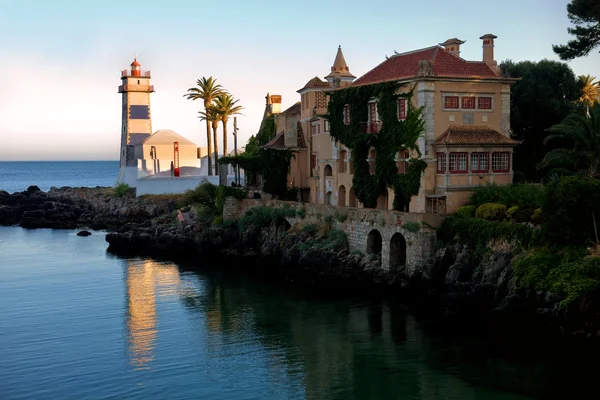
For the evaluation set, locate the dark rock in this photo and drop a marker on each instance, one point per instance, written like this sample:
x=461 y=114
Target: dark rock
x=84 y=233
x=32 y=189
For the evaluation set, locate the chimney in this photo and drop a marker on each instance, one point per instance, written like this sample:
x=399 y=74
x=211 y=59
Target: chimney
x=276 y=101
x=452 y=46
x=488 y=51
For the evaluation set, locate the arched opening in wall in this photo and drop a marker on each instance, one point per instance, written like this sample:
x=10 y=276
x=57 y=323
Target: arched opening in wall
x=374 y=242
x=382 y=202
x=328 y=171
x=342 y=196
x=352 y=198
x=342 y=161
x=328 y=198
x=397 y=251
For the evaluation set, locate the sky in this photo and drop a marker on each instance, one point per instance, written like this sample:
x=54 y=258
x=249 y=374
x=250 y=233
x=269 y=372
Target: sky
x=60 y=60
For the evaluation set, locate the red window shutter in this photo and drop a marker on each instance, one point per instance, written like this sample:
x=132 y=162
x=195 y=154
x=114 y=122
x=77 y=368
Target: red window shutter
x=401 y=109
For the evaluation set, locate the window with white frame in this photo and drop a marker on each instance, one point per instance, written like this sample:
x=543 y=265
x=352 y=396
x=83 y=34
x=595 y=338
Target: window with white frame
x=451 y=102
x=480 y=162
x=441 y=162
x=457 y=163
x=373 y=111
x=326 y=126
x=484 y=103
x=501 y=162
x=468 y=103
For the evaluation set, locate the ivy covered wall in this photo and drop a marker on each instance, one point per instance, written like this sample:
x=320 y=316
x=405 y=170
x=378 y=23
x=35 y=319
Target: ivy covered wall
x=393 y=136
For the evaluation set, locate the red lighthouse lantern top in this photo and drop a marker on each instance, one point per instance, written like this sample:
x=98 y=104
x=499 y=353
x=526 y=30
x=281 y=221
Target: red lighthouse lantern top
x=135 y=68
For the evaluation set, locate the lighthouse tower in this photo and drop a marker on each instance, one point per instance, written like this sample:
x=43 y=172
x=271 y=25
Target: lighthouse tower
x=136 y=125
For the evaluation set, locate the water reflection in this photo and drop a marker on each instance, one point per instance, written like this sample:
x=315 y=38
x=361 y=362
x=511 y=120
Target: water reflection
x=145 y=280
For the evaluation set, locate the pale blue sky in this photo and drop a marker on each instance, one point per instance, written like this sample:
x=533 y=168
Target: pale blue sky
x=60 y=59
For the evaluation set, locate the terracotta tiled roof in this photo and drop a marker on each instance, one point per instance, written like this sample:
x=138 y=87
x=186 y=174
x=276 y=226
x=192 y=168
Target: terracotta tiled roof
x=473 y=135
x=278 y=142
x=295 y=109
x=315 y=83
x=406 y=65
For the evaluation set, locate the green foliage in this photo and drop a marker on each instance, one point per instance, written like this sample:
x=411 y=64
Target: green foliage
x=545 y=94
x=522 y=195
x=491 y=211
x=227 y=191
x=477 y=233
x=577 y=140
x=310 y=228
x=394 y=135
x=206 y=213
x=584 y=14
x=122 y=189
x=466 y=211
x=301 y=212
x=510 y=213
x=412 y=226
x=572 y=203
x=328 y=219
x=340 y=214
x=203 y=194
x=537 y=216
x=568 y=272
x=261 y=217
x=218 y=220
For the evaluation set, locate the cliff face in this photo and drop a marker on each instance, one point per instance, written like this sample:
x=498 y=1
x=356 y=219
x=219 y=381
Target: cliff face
x=77 y=207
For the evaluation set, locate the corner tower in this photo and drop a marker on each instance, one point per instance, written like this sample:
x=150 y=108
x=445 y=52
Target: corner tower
x=136 y=121
x=340 y=73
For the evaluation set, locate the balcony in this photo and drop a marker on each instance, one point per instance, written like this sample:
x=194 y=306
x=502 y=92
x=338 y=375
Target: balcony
x=127 y=72
x=136 y=88
x=372 y=127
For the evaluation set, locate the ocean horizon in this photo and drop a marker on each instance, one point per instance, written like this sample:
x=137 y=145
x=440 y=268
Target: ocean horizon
x=17 y=176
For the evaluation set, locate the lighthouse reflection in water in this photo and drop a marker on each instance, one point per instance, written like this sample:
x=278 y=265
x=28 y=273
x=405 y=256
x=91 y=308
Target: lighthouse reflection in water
x=146 y=280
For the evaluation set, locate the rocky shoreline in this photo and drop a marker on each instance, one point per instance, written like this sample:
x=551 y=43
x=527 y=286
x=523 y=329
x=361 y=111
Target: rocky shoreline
x=71 y=208
x=456 y=284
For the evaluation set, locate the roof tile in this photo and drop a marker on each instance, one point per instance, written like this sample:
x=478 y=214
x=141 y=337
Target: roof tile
x=473 y=135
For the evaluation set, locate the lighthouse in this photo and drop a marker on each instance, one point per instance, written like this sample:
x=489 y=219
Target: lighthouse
x=136 y=120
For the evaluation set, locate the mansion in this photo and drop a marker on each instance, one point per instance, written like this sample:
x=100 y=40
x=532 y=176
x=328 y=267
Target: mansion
x=465 y=143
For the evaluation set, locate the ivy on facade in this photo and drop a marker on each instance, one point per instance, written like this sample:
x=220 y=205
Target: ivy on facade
x=393 y=136
x=273 y=165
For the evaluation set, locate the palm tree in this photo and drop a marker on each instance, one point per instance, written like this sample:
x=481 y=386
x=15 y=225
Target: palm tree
x=207 y=90
x=579 y=138
x=226 y=106
x=212 y=118
x=590 y=92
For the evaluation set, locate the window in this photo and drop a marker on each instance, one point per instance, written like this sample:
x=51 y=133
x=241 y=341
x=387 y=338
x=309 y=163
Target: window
x=484 y=103
x=441 y=162
x=451 y=102
x=436 y=205
x=401 y=109
x=468 y=103
x=480 y=162
x=373 y=111
x=501 y=162
x=326 y=126
x=314 y=130
x=313 y=160
x=372 y=157
x=318 y=129
x=347 y=114
x=402 y=159
x=458 y=162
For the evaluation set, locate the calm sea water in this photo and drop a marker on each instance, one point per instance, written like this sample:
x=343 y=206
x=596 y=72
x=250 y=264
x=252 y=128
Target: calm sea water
x=78 y=323
x=16 y=176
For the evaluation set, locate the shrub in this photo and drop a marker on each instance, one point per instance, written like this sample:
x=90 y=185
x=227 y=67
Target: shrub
x=310 y=229
x=412 y=226
x=522 y=195
x=262 y=216
x=340 y=214
x=122 y=189
x=301 y=212
x=478 y=233
x=511 y=212
x=536 y=217
x=205 y=213
x=218 y=220
x=204 y=194
x=335 y=240
x=491 y=211
x=466 y=211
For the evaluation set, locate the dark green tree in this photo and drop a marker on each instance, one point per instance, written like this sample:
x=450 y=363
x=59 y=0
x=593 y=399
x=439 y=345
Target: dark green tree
x=585 y=15
x=545 y=94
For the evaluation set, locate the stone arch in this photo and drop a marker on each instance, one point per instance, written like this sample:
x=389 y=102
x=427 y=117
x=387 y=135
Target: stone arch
x=397 y=251
x=374 y=242
x=352 y=198
x=342 y=196
x=327 y=171
x=328 y=198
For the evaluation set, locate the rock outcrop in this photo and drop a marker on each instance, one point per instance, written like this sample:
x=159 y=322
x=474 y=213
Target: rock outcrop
x=71 y=208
